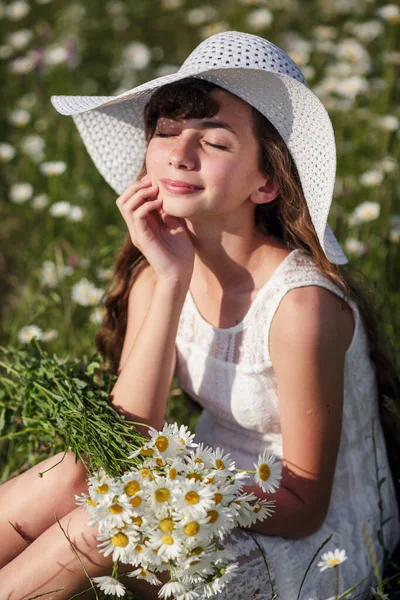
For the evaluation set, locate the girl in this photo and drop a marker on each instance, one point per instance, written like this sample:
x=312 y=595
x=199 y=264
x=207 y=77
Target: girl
x=229 y=277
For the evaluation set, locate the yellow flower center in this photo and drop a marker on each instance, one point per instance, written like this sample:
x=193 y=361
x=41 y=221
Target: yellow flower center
x=162 y=494
x=102 y=489
x=160 y=462
x=120 y=540
x=91 y=502
x=209 y=480
x=137 y=521
x=191 y=528
x=194 y=562
x=115 y=509
x=333 y=562
x=196 y=551
x=162 y=443
x=166 y=525
x=147 y=452
x=181 y=441
x=145 y=473
x=219 y=464
x=257 y=508
x=167 y=539
x=192 y=498
x=194 y=476
x=212 y=516
x=217 y=498
x=139 y=549
x=143 y=573
x=136 y=501
x=198 y=460
x=264 y=472
x=131 y=488
x=172 y=473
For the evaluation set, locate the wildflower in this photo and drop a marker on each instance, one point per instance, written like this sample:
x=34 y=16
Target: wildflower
x=378 y=595
x=365 y=212
x=60 y=209
x=198 y=16
x=53 y=168
x=19 y=117
x=56 y=55
x=86 y=293
x=332 y=559
x=40 y=201
x=20 y=192
x=26 y=334
x=145 y=574
x=20 y=66
x=172 y=589
x=193 y=498
x=7 y=152
x=104 y=274
x=388 y=164
x=390 y=13
x=227 y=573
x=137 y=56
x=17 y=10
x=20 y=39
x=350 y=87
x=109 y=585
x=355 y=247
x=33 y=145
x=371 y=178
x=49 y=335
x=388 y=123
x=75 y=214
x=267 y=472
x=98 y=315
x=259 y=19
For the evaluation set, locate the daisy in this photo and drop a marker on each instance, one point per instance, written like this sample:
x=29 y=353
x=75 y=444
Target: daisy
x=145 y=574
x=379 y=595
x=26 y=334
x=203 y=454
x=53 y=168
x=332 y=559
x=102 y=488
x=220 y=520
x=222 y=462
x=172 y=589
x=118 y=543
x=168 y=545
x=160 y=495
x=109 y=585
x=227 y=574
x=113 y=515
x=267 y=472
x=192 y=498
x=185 y=437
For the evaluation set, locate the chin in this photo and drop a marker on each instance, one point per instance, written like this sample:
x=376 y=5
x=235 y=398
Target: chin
x=179 y=208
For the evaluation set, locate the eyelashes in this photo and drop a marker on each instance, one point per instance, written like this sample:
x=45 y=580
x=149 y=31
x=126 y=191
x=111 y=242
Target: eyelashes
x=168 y=135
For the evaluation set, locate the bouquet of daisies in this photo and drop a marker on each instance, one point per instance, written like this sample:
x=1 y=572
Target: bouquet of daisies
x=171 y=513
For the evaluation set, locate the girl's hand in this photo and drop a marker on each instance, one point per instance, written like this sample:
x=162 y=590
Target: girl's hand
x=164 y=240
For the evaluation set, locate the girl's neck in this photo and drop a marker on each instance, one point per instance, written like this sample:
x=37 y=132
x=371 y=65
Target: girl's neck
x=231 y=260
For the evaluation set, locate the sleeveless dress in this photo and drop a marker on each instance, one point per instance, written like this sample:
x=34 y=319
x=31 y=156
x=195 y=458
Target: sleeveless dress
x=230 y=374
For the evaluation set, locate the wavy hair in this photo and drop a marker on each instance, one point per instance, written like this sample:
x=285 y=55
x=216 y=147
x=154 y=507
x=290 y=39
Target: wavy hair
x=286 y=218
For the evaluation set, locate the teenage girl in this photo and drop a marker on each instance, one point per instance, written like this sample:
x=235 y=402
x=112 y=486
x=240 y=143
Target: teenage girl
x=223 y=281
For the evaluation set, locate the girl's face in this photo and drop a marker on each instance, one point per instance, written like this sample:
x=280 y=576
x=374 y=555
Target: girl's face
x=207 y=167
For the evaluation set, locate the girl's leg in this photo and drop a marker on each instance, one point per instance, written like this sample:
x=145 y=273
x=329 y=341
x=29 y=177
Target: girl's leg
x=49 y=563
x=30 y=503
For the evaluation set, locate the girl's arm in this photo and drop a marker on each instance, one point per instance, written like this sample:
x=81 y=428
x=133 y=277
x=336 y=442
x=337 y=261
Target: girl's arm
x=308 y=340
x=155 y=304
x=148 y=357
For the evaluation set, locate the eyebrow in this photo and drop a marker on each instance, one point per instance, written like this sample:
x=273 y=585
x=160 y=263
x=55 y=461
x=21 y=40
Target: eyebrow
x=212 y=125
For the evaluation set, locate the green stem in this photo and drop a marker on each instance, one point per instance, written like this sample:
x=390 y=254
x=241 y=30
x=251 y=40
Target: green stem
x=336 y=577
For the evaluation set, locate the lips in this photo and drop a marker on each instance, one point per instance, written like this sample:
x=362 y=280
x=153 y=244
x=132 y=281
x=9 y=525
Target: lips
x=177 y=185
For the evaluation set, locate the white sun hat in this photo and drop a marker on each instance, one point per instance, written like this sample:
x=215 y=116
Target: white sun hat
x=253 y=69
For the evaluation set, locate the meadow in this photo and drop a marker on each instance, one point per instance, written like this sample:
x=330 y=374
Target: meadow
x=60 y=229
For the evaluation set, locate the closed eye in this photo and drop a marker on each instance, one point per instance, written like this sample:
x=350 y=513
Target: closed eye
x=167 y=135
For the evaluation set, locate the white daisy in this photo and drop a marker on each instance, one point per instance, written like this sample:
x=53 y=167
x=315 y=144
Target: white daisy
x=378 y=595
x=26 y=334
x=172 y=589
x=220 y=520
x=268 y=472
x=168 y=545
x=227 y=574
x=109 y=585
x=7 y=152
x=21 y=192
x=366 y=211
x=192 y=498
x=145 y=574
x=222 y=462
x=102 y=488
x=113 y=514
x=332 y=559
x=118 y=543
x=202 y=454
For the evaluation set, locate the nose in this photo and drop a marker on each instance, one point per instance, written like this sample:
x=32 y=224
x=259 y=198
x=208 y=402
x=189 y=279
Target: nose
x=183 y=154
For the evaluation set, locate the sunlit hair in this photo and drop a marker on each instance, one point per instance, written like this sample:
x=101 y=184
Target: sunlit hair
x=286 y=218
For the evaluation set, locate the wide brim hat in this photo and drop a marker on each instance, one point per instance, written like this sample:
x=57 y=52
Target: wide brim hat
x=255 y=70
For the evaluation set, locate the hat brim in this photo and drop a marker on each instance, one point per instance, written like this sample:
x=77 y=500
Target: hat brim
x=112 y=129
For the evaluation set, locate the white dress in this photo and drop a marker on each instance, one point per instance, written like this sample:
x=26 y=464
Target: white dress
x=230 y=374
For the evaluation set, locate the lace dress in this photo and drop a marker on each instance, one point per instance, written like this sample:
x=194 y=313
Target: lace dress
x=230 y=374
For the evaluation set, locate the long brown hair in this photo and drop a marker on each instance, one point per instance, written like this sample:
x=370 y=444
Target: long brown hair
x=286 y=218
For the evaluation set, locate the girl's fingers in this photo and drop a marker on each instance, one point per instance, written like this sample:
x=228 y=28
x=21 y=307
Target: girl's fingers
x=138 y=199
x=132 y=189
x=142 y=212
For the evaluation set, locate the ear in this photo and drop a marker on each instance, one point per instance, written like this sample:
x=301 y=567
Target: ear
x=266 y=193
